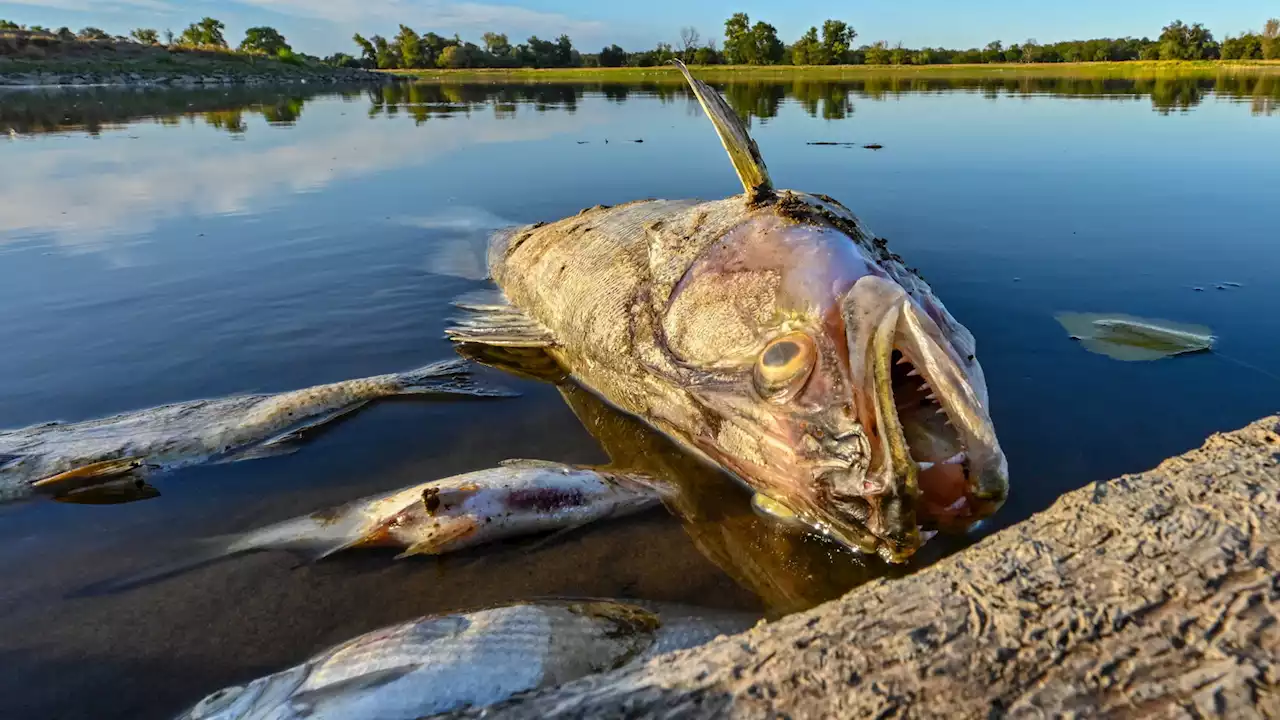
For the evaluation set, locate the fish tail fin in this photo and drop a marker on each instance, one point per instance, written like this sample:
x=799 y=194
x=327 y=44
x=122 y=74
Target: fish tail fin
x=201 y=553
x=447 y=377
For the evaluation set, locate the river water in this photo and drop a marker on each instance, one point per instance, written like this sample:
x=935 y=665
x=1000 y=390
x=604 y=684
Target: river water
x=162 y=245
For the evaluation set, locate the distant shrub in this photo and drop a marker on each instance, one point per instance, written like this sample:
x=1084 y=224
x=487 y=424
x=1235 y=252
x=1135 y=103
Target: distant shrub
x=285 y=55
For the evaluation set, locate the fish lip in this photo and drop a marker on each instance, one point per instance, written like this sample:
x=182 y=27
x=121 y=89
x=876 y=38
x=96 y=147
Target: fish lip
x=880 y=317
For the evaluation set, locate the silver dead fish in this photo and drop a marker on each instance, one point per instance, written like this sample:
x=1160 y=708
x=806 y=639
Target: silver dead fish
x=518 y=498
x=79 y=461
x=440 y=663
x=772 y=334
x=1128 y=338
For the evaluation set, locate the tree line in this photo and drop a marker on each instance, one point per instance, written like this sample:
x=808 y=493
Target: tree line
x=748 y=43
x=745 y=43
x=207 y=33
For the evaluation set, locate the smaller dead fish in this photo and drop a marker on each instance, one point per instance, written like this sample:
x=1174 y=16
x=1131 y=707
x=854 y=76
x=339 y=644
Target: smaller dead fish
x=74 y=461
x=873 y=146
x=444 y=662
x=1128 y=338
x=515 y=499
x=830 y=143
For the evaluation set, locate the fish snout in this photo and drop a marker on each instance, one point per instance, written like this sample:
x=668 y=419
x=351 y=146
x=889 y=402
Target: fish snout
x=934 y=461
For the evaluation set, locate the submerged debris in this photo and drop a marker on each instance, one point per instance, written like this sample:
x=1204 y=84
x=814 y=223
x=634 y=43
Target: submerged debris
x=1128 y=338
x=873 y=146
x=837 y=144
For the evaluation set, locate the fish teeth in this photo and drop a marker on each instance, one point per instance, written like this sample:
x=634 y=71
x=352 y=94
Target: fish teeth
x=913 y=373
x=930 y=396
x=903 y=360
x=955 y=459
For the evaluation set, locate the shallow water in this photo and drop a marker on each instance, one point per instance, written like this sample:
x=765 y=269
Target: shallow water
x=158 y=245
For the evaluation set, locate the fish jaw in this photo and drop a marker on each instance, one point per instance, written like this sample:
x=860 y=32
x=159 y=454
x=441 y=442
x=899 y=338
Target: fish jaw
x=935 y=460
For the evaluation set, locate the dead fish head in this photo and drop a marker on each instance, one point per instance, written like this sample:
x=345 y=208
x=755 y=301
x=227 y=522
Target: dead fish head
x=834 y=382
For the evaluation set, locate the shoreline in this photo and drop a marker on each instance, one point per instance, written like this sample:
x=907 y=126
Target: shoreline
x=90 y=79
x=1133 y=68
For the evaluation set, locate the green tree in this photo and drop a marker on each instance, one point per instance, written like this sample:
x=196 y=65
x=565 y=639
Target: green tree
x=900 y=55
x=409 y=46
x=769 y=49
x=385 y=54
x=878 y=54
x=9 y=25
x=1271 y=39
x=739 y=46
x=145 y=36
x=993 y=52
x=498 y=45
x=1179 y=41
x=367 y=52
x=706 y=56
x=807 y=49
x=264 y=40
x=613 y=56
x=93 y=33
x=837 y=40
x=207 y=32
x=64 y=34
x=1245 y=47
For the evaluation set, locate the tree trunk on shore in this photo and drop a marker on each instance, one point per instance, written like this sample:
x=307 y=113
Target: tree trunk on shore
x=1153 y=594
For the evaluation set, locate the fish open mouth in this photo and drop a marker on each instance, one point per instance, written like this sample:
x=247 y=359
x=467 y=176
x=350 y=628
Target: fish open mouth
x=935 y=463
x=942 y=463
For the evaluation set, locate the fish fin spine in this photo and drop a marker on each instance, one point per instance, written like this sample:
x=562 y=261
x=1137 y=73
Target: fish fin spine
x=743 y=152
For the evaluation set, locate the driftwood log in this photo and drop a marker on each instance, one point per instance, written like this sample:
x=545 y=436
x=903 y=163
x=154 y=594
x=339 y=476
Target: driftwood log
x=1153 y=594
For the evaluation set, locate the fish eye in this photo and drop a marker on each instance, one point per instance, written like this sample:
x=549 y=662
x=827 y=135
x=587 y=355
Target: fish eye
x=784 y=366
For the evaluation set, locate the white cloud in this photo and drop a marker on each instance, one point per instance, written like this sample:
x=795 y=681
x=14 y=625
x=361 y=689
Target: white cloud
x=465 y=18
x=103 y=195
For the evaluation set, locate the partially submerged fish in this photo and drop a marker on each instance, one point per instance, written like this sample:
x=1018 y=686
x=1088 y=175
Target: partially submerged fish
x=1128 y=338
x=440 y=663
x=109 y=457
x=772 y=334
x=518 y=498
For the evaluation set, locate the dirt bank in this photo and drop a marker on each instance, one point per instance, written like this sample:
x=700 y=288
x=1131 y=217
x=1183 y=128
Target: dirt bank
x=1153 y=594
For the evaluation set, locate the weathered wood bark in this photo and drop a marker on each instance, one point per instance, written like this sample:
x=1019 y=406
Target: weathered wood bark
x=1148 y=595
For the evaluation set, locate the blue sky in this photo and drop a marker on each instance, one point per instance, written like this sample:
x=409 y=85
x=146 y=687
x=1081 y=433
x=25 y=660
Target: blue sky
x=325 y=26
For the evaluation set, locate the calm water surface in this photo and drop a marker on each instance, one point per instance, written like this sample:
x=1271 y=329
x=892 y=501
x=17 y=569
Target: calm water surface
x=164 y=245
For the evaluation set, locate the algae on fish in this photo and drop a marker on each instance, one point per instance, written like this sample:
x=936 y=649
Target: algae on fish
x=1133 y=339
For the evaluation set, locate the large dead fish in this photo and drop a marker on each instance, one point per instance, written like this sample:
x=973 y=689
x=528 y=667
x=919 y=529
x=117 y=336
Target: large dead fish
x=75 y=461
x=440 y=663
x=774 y=335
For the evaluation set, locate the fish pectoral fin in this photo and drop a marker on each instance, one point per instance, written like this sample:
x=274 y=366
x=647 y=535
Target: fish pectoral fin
x=88 y=475
x=733 y=135
x=368 y=681
x=497 y=323
x=290 y=441
x=439 y=541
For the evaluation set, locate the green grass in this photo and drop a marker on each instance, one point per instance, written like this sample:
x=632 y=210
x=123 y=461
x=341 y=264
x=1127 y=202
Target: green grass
x=1134 y=69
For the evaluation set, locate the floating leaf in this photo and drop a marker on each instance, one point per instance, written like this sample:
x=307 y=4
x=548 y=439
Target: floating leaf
x=1128 y=338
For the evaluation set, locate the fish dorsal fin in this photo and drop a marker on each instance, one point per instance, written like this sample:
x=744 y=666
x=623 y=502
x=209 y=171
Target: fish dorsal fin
x=733 y=134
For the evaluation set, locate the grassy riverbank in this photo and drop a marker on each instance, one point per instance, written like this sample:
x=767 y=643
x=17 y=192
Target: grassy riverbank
x=35 y=59
x=1133 y=69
